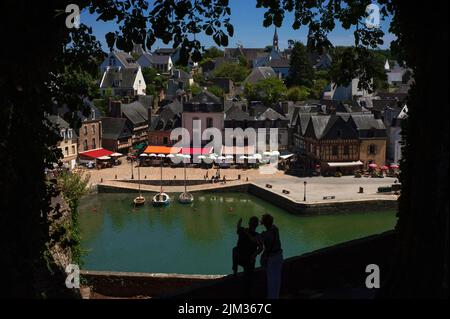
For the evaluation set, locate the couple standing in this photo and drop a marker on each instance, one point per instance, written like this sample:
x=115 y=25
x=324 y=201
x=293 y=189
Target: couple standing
x=251 y=244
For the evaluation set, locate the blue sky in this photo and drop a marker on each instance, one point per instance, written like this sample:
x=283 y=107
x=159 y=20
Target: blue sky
x=248 y=29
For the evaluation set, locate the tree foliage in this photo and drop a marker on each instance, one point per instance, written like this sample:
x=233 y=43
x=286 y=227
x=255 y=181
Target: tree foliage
x=235 y=72
x=351 y=61
x=217 y=91
x=212 y=52
x=301 y=72
x=155 y=82
x=297 y=93
x=179 y=23
x=268 y=91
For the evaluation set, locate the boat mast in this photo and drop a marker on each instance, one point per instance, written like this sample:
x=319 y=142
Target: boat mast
x=139 y=179
x=184 y=176
x=161 y=176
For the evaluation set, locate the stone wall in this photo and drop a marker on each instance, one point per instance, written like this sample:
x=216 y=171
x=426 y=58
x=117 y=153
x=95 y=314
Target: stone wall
x=132 y=285
x=332 y=272
x=300 y=208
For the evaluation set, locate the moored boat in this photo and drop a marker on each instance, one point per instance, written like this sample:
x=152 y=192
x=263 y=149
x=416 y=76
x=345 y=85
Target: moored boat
x=161 y=199
x=186 y=198
x=139 y=201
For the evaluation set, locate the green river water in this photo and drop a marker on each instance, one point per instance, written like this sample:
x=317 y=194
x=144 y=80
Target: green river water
x=198 y=239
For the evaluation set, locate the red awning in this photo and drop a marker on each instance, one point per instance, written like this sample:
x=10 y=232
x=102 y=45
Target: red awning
x=94 y=154
x=196 y=151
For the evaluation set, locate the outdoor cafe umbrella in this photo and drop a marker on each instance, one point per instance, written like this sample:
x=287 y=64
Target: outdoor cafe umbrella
x=257 y=156
x=373 y=165
x=143 y=155
x=116 y=155
x=384 y=168
x=161 y=155
x=209 y=159
x=152 y=155
x=267 y=153
x=104 y=158
x=229 y=157
x=275 y=153
x=394 y=166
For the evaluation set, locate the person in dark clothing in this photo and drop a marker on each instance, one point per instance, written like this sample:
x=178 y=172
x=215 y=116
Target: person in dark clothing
x=247 y=248
x=272 y=257
x=245 y=252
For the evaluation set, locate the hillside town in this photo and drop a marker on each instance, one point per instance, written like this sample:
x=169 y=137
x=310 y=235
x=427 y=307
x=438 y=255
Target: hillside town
x=323 y=128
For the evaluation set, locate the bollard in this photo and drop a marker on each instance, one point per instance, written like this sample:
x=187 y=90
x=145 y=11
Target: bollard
x=115 y=177
x=101 y=180
x=239 y=176
x=361 y=190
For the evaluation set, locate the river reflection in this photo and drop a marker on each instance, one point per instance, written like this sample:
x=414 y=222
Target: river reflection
x=198 y=238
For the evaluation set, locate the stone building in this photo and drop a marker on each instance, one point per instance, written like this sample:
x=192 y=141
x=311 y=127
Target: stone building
x=68 y=143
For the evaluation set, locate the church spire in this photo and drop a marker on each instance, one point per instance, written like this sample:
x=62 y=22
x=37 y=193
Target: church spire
x=275 y=41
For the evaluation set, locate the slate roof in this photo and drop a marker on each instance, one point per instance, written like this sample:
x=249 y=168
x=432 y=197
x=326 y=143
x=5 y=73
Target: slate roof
x=248 y=53
x=125 y=58
x=166 y=51
x=205 y=97
x=279 y=63
x=126 y=77
x=58 y=121
x=159 y=59
x=260 y=73
x=319 y=123
x=367 y=122
x=170 y=117
x=271 y=114
x=235 y=113
x=114 y=128
x=303 y=120
x=135 y=112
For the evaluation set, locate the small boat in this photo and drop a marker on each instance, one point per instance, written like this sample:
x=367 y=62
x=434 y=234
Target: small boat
x=186 y=198
x=139 y=201
x=161 y=199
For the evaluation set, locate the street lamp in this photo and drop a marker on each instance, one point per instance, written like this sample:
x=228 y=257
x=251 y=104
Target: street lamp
x=304 y=193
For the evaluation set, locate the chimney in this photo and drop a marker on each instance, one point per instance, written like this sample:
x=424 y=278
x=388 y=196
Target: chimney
x=115 y=109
